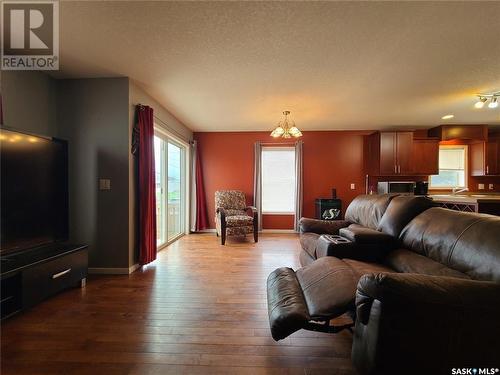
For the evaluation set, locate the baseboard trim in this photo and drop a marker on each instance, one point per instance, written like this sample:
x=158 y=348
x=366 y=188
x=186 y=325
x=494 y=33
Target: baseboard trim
x=205 y=231
x=262 y=231
x=113 y=271
x=134 y=268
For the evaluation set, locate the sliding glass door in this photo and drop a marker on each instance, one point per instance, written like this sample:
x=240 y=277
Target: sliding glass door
x=170 y=163
x=174 y=191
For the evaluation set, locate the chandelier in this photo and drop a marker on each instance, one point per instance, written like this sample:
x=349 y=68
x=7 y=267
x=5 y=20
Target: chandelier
x=493 y=97
x=286 y=128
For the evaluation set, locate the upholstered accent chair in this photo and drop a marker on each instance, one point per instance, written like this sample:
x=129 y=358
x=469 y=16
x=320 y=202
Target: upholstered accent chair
x=232 y=215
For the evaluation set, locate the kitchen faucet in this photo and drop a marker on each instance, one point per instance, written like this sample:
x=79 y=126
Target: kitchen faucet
x=457 y=190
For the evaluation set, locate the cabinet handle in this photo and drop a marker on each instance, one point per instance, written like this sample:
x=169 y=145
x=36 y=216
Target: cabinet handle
x=395 y=169
x=399 y=169
x=487 y=170
x=57 y=275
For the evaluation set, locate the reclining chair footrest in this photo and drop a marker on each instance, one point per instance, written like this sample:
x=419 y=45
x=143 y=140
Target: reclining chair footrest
x=327 y=328
x=286 y=304
x=310 y=297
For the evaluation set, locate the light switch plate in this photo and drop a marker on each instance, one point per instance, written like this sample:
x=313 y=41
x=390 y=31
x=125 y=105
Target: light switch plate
x=104 y=184
x=480 y=186
x=353 y=186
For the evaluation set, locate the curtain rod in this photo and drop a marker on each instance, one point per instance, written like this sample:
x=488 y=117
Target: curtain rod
x=182 y=136
x=277 y=143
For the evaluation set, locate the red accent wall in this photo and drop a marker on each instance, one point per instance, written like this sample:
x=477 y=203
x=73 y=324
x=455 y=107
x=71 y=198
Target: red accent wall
x=332 y=159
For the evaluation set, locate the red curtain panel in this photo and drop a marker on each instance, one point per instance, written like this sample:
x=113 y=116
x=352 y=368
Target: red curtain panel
x=143 y=147
x=201 y=204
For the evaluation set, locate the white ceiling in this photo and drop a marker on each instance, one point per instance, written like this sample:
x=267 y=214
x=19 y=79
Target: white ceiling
x=236 y=66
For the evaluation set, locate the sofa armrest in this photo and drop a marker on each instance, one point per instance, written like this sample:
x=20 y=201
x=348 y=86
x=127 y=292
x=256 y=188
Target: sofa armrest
x=402 y=318
x=322 y=226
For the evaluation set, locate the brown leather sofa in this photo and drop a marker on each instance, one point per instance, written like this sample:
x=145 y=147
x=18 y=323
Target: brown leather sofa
x=429 y=304
x=372 y=223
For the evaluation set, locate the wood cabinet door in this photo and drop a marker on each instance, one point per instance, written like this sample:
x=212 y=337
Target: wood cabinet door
x=425 y=156
x=478 y=159
x=404 y=152
x=492 y=156
x=388 y=153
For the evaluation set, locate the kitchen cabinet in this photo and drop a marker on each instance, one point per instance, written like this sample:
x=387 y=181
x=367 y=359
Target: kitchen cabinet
x=425 y=156
x=485 y=158
x=390 y=153
x=467 y=132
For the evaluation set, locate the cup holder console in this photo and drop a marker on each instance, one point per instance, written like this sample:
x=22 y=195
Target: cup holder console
x=336 y=238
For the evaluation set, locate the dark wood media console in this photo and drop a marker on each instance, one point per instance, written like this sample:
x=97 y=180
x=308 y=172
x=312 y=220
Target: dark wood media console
x=30 y=276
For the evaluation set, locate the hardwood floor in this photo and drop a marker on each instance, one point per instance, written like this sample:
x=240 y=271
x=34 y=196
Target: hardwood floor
x=199 y=309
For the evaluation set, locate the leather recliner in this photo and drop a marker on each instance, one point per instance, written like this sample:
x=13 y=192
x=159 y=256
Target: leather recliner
x=430 y=304
x=372 y=222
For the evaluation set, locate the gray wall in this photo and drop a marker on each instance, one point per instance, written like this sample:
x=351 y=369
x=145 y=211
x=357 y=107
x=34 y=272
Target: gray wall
x=93 y=117
x=96 y=116
x=29 y=102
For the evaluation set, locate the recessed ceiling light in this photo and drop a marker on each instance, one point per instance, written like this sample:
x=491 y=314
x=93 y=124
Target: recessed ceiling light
x=447 y=117
x=493 y=103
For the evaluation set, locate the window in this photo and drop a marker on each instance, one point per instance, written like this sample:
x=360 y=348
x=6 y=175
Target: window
x=278 y=180
x=452 y=168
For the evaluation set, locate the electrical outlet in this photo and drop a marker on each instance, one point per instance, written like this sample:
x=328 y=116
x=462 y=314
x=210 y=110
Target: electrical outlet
x=104 y=184
x=491 y=187
x=353 y=186
x=480 y=186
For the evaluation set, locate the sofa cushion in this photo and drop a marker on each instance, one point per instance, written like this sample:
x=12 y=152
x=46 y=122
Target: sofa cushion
x=367 y=210
x=305 y=259
x=362 y=268
x=407 y=261
x=466 y=242
x=400 y=211
x=308 y=242
x=329 y=287
x=238 y=220
x=363 y=235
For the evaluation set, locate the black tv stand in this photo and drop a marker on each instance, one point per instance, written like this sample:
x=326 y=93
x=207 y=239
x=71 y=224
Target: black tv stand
x=30 y=276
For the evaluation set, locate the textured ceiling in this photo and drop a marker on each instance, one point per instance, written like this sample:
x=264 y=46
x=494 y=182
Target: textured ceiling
x=236 y=66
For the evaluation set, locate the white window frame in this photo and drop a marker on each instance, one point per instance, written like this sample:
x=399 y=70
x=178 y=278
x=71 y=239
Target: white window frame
x=279 y=148
x=161 y=132
x=466 y=168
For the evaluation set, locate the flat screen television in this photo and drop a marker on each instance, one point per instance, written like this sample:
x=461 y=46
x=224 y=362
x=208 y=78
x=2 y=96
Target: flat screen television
x=34 y=191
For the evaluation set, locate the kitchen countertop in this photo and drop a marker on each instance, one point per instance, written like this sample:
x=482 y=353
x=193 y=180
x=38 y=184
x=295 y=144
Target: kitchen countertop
x=466 y=198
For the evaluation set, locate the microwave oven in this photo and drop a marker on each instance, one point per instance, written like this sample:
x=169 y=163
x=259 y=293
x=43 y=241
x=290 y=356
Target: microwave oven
x=402 y=187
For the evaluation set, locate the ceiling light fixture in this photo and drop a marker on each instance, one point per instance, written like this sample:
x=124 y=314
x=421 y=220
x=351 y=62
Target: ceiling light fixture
x=493 y=103
x=483 y=98
x=286 y=128
x=480 y=103
x=447 y=117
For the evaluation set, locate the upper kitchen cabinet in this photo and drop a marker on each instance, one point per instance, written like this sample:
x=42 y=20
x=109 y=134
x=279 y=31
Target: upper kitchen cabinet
x=485 y=157
x=390 y=153
x=425 y=156
x=466 y=132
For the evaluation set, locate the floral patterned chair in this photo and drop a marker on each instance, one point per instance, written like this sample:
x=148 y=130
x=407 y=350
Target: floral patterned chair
x=231 y=215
